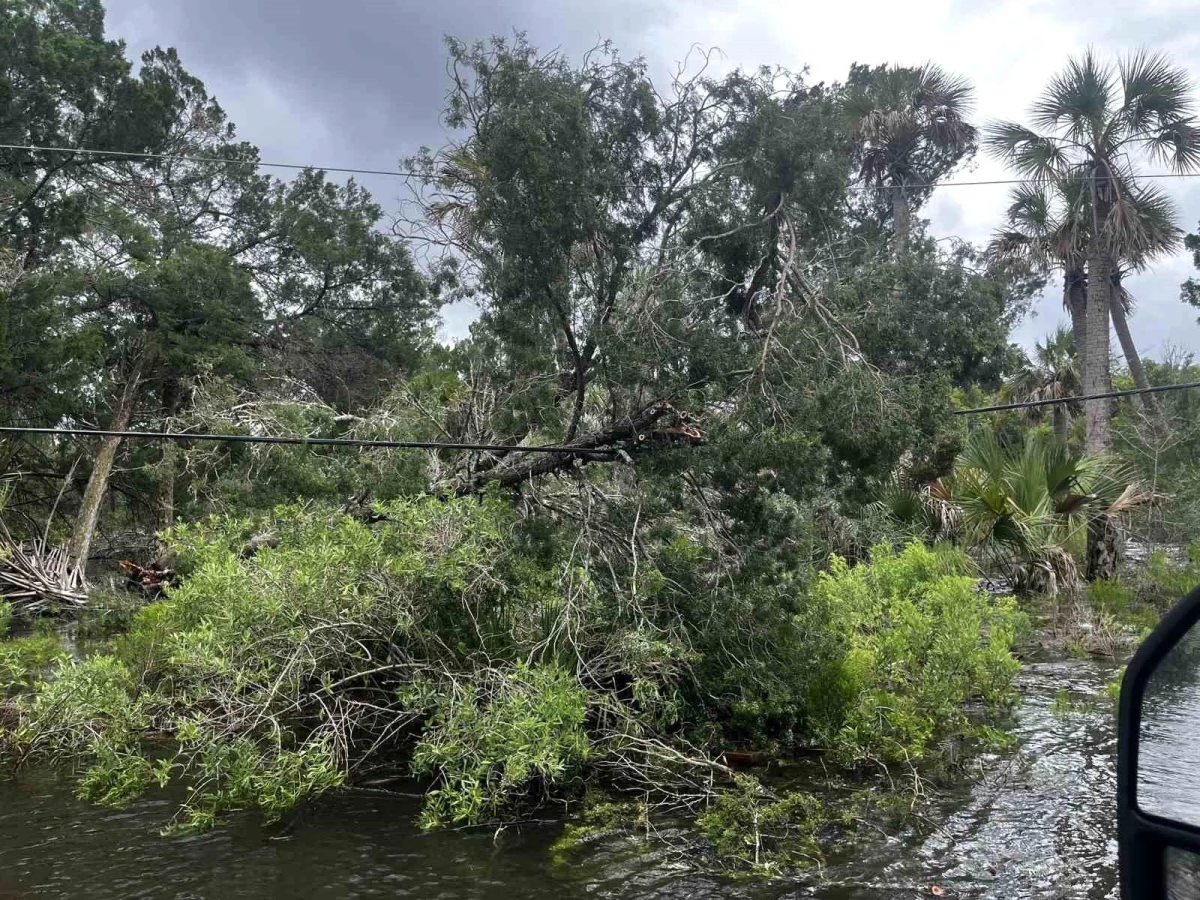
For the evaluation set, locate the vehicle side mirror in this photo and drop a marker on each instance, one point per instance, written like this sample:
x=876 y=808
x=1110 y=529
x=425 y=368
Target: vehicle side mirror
x=1158 y=761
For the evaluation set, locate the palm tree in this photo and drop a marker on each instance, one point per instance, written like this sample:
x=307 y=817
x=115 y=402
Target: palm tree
x=1045 y=229
x=1021 y=504
x=1048 y=227
x=910 y=127
x=1054 y=375
x=1158 y=235
x=1090 y=119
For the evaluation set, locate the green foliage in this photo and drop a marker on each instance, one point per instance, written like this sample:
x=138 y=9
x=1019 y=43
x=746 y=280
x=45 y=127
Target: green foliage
x=108 y=613
x=257 y=667
x=23 y=660
x=1125 y=603
x=6 y=616
x=1150 y=590
x=600 y=815
x=491 y=740
x=921 y=642
x=1024 y=505
x=750 y=829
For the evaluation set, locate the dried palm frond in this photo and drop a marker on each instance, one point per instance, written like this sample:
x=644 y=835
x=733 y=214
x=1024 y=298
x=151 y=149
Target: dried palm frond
x=36 y=577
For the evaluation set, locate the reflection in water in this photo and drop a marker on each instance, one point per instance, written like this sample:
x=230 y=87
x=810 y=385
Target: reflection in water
x=1038 y=823
x=1183 y=875
x=1169 y=740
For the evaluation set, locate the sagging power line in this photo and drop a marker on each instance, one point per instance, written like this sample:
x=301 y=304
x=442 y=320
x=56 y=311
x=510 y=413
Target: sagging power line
x=187 y=437
x=433 y=176
x=1030 y=404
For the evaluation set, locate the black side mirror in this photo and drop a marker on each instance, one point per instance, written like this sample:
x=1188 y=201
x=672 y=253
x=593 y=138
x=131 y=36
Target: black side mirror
x=1158 y=761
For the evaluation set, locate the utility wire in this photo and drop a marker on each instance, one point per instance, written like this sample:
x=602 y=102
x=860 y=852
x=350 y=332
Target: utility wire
x=183 y=437
x=429 y=176
x=1029 y=404
x=167 y=157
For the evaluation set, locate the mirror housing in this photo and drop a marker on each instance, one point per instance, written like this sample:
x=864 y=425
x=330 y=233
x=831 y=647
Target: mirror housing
x=1144 y=839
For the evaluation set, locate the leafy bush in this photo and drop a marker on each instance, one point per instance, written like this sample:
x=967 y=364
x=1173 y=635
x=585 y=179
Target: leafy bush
x=1022 y=505
x=483 y=656
x=921 y=642
x=278 y=674
x=1124 y=604
x=492 y=738
x=749 y=828
x=24 y=659
x=1163 y=583
x=6 y=615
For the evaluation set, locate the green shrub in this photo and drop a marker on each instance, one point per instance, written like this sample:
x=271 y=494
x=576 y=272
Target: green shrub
x=274 y=675
x=494 y=664
x=6 y=616
x=750 y=829
x=23 y=660
x=921 y=643
x=1124 y=604
x=1163 y=583
x=494 y=738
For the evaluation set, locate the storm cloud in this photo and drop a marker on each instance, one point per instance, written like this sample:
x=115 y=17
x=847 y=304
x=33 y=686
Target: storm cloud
x=363 y=82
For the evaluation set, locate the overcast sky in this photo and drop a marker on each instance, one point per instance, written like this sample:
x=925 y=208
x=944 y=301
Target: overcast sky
x=361 y=82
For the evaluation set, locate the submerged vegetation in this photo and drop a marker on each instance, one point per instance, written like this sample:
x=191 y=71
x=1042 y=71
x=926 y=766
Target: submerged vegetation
x=763 y=537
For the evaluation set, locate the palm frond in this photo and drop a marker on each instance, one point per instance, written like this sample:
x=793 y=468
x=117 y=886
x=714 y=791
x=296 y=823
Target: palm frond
x=1155 y=92
x=1024 y=150
x=1158 y=233
x=1078 y=99
x=1176 y=144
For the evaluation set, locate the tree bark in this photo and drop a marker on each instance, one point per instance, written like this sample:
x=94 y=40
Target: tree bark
x=165 y=486
x=1129 y=348
x=1075 y=300
x=1097 y=365
x=1061 y=424
x=1103 y=548
x=901 y=219
x=629 y=434
x=97 y=485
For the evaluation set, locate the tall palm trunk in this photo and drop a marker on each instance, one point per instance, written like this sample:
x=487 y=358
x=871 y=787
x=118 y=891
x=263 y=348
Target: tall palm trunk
x=901 y=218
x=1075 y=300
x=1129 y=348
x=1097 y=366
x=165 y=488
x=1062 y=432
x=1102 y=543
x=93 y=495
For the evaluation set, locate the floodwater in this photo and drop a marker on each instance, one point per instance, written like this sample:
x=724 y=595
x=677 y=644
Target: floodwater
x=1036 y=822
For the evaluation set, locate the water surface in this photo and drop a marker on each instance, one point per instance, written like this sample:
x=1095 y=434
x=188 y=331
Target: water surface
x=1037 y=822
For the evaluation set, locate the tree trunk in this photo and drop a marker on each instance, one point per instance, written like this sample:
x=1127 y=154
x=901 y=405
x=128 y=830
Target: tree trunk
x=1129 y=349
x=1075 y=300
x=97 y=485
x=902 y=219
x=1097 y=373
x=165 y=486
x=1103 y=548
x=1061 y=424
x=1097 y=369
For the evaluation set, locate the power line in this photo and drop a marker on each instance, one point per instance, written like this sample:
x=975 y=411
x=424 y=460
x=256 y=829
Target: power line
x=184 y=437
x=1106 y=396
x=170 y=157
x=429 y=176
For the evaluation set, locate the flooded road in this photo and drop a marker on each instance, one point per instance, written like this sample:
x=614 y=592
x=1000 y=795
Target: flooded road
x=1036 y=822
